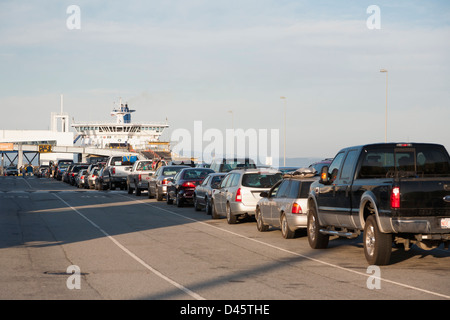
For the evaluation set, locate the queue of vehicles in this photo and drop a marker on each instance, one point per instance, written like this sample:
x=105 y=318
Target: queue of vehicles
x=390 y=193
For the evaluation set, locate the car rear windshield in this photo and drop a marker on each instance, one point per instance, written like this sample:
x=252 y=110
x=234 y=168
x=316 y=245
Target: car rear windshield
x=419 y=161
x=233 y=164
x=260 y=180
x=121 y=161
x=171 y=171
x=144 y=165
x=196 y=173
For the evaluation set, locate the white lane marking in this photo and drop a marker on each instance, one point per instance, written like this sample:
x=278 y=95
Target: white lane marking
x=27 y=182
x=131 y=254
x=297 y=254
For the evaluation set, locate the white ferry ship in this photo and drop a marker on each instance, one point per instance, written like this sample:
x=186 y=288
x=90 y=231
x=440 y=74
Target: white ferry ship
x=123 y=133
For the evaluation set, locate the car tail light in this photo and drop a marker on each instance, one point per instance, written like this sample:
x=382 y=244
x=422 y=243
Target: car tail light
x=296 y=208
x=238 y=197
x=140 y=177
x=395 y=198
x=164 y=181
x=188 y=184
x=113 y=170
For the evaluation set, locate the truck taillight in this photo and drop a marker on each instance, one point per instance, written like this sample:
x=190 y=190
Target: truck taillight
x=164 y=181
x=395 y=198
x=296 y=208
x=140 y=177
x=238 y=197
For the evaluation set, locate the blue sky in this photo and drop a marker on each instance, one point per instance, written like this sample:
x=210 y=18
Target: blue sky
x=192 y=60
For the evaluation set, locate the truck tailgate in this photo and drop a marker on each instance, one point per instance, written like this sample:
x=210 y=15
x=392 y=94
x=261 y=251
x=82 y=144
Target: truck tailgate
x=424 y=197
x=120 y=171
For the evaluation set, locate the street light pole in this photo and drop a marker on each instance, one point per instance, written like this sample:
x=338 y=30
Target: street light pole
x=385 y=120
x=284 y=98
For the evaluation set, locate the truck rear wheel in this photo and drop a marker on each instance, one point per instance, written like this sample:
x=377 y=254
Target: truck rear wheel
x=316 y=239
x=377 y=245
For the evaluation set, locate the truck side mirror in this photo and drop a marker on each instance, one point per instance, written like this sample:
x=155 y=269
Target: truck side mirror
x=324 y=178
x=264 y=194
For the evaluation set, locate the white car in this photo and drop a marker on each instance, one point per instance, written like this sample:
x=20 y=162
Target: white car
x=239 y=192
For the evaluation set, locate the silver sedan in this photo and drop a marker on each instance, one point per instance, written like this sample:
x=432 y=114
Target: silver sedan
x=284 y=206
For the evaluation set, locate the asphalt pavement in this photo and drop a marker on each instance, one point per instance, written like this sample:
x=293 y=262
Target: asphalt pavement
x=58 y=242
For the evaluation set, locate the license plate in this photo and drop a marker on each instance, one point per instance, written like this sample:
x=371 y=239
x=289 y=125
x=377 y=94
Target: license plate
x=445 y=223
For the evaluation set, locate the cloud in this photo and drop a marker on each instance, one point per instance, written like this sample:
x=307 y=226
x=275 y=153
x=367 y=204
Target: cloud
x=202 y=58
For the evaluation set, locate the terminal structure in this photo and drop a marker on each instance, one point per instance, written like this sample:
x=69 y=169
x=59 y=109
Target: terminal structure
x=122 y=137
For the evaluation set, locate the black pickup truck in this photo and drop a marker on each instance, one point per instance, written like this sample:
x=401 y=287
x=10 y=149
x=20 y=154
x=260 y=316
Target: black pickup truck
x=393 y=192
